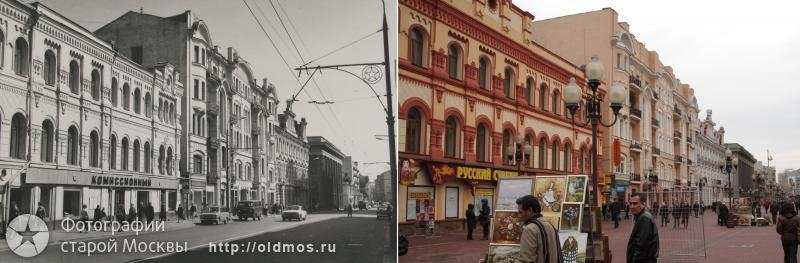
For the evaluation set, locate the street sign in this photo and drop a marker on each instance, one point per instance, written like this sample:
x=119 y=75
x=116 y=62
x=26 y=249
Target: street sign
x=620 y=189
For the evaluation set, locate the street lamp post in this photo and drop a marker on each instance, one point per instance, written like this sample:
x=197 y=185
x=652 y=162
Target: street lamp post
x=731 y=163
x=572 y=98
x=520 y=153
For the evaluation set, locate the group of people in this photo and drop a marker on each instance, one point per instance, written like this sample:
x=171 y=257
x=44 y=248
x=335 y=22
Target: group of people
x=484 y=218
x=141 y=212
x=679 y=213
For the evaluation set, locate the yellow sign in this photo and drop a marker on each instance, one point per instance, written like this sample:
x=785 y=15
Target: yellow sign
x=484 y=192
x=419 y=195
x=483 y=174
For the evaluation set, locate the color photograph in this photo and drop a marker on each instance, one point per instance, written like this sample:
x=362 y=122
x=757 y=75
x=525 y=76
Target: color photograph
x=550 y=192
x=576 y=188
x=509 y=189
x=571 y=217
x=506 y=228
x=504 y=253
x=573 y=247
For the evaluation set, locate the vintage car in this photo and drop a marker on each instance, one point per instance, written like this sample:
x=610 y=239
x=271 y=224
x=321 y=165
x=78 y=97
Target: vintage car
x=215 y=214
x=294 y=212
x=385 y=212
x=249 y=209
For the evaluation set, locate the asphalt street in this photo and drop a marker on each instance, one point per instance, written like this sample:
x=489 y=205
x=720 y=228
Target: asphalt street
x=319 y=228
x=356 y=239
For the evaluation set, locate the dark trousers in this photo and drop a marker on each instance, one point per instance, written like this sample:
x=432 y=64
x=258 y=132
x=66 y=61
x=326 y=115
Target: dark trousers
x=469 y=232
x=675 y=224
x=616 y=220
x=664 y=220
x=789 y=251
x=485 y=231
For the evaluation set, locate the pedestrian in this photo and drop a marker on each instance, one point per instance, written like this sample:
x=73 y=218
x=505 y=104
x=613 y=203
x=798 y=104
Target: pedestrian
x=788 y=223
x=696 y=208
x=605 y=211
x=191 y=211
x=14 y=212
x=349 y=210
x=723 y=214
x=141 y=215
x=656 y=208
x=774 y=211
x=180 y=213
x=685 y=214
x=664 y=213
x=615 y=208
x=627 y=209
x=84 y=218
x=676 y=215
x=485 y=218
x=471 y=220
x=103 y=214
x=643 y=243
x=41 y=212
x=537 y=233
x=97 y=214
x=150 y=212
x=120 y=213
x=162 y=214
x=131 y=214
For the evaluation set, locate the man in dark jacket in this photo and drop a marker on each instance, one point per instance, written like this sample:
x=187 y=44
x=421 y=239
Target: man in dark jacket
x=471 y=220
x=643 y=243
x=664 y=215
x=773 y=209
x=485 y=218
x=615 y=208
x=723 y=214
x=676 y=214
x=150 y=212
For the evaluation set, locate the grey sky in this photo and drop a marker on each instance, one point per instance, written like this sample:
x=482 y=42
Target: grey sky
x=741 y=58
x=321 y=27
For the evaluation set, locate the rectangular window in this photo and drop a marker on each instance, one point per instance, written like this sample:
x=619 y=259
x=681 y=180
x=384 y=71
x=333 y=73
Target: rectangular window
x=204 y=57
x=451 y=203
x=619 y=60
x=420 y=205
x=137 y=54
x=203 y=90
x=196 y=54
x=196 y=94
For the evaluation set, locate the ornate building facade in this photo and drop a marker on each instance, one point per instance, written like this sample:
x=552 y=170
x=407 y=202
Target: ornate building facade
x=710 y=159
x=472 y=81
x=81 y=123
x=291 y=160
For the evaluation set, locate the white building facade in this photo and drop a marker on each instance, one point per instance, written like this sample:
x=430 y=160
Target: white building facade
x=710 y=159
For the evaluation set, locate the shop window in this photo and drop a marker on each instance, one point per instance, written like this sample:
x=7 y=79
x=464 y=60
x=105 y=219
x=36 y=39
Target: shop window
x=420 y=203
x=72 y=203
x=50 y=67
x=451 y=137
x=414 y=122
x=72 y=145
x=74 y=77
x=451 y=203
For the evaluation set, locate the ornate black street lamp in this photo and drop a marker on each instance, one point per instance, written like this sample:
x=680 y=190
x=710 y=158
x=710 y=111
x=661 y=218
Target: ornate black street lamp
x=731 y=162
x=519 y=154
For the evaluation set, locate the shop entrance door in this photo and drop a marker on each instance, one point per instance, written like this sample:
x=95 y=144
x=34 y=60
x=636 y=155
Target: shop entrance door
x=142 y=198
x=22 y=197
x=119 y=198
x=72 y=203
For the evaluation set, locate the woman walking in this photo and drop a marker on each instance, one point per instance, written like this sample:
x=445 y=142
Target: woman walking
x=787 y=228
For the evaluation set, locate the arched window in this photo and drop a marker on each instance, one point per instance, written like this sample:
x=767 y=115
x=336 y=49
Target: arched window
x=454 y=62
x=197 y=163
x=21 y=57
x=567 y=157
x=148 y=105
x=94 y=149
x=529 y=91
x=72 y=145
x=2 y=49
x=169 y=161
x=50 y=67
x=239 y=171
x=621 y=167
x=126 y=96
x=508 y=148
x=451 y=137
x=147 y=168
x=161 y=158
x=137 y=101
x=543 y=96
x=114 y=92
x=418 y=47
x=581 y=166
x=112 y=152
x=47 y=142
x=481 y=144
x=96 y=85
x=414 y=131
x=554 y=155
x=542 y=153
x=483 y=73
x=74 y=77
x=124 y=155
x=19 y=136
x=136 y=148
x=508 y=83
x=556 y=102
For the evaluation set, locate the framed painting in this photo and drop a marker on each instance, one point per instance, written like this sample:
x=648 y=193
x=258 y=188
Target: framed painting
x=504 y=253
x=576 y=189
x=509 y=189
x=550 y=191
x=506 y=228
x=573 y=246
x=571 y=217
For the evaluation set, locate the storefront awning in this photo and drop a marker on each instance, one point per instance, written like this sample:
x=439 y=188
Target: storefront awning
x=84 y=178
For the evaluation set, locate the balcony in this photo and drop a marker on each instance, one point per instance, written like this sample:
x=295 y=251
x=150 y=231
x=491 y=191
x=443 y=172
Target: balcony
x=636 y=113
x=656 y=123
x=635 y=82
x=677 y=135
x=689 y=161
x=656 y=151
x=213 y=142
x=636 y=146
x=677 y=111
x=636 y=177
x=212 y=109
x=679 y=159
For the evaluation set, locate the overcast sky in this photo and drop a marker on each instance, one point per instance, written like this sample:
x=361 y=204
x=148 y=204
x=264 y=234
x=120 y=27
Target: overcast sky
x=317 y=28
x=742 y=59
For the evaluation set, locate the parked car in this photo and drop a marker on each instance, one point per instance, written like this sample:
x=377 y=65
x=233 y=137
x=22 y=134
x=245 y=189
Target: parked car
x=385 y=212
x=294 y=212
x=249 y=209
x=215 y=214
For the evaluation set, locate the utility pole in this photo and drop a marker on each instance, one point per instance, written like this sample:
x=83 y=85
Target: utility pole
x=390 y=124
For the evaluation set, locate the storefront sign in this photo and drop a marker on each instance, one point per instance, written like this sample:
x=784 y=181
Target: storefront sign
x=420 y=193
x=104 y=180
x=484 y=192
x=409 y=169
x=68 y=177
x=442 y=172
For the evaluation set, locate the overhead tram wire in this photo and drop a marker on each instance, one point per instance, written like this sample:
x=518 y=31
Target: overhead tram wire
x=294 y=29
x=271 y=25
x=285 y=62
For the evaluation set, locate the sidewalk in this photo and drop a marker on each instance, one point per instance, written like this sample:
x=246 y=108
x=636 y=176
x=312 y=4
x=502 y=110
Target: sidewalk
x=447 y=247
